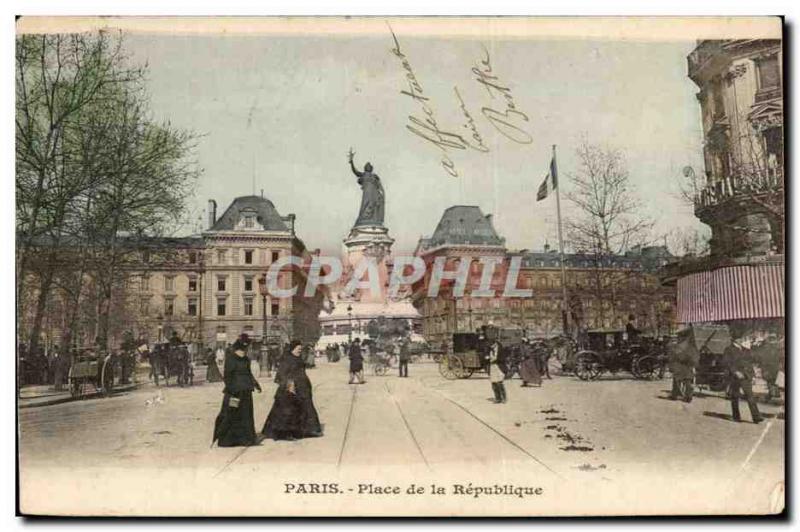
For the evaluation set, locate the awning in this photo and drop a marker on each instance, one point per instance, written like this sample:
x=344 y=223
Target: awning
x=732 y=293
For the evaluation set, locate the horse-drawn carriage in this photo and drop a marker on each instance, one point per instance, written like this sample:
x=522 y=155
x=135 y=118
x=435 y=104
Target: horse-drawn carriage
x=91 y=369
x=470 y=352
x=711 y=341
x=607 y=350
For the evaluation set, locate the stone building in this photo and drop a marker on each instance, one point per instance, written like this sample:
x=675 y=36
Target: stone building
x=742 y=196
x=601 y=294
x=212 y=294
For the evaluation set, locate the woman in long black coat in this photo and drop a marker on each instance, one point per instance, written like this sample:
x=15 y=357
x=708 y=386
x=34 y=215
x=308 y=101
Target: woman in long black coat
x=235 y=425
x=356 y=363
x=293 y=415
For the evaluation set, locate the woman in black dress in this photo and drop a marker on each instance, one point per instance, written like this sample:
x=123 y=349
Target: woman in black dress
x=293 y=415
x=235 y=425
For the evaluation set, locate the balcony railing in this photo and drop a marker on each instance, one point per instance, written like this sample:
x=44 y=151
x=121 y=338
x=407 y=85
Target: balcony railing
x=730 y=187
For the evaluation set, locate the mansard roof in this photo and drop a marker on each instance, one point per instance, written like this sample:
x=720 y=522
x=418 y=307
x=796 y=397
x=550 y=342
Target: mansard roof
x=464 y=224
x=266 y=214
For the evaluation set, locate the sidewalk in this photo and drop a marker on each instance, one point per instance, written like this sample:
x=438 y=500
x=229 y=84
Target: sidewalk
x=44 y=395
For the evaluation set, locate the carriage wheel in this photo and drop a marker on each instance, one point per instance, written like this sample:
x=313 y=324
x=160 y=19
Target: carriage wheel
x=457 y=365
x=446 y=368
x=379 y=369
x=645 y=368
x=587 y=367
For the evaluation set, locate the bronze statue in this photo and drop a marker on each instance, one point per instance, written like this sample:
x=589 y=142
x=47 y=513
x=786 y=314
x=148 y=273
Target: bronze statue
x=372 y=195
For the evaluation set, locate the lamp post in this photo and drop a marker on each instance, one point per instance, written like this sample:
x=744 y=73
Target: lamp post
x=262 y=289
x=350 y=323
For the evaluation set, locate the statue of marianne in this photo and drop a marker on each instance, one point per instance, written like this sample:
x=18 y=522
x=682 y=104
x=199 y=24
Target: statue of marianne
x=372 y=195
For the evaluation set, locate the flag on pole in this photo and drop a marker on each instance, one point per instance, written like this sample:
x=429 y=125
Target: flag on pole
x=550 y=181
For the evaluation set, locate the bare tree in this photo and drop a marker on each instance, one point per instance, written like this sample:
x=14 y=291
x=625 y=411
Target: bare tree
x=606 y=223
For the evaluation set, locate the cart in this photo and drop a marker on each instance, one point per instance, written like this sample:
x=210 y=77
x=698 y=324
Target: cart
x=608 y=351
x=711 y=341
x=470 y=353
x=93 y=370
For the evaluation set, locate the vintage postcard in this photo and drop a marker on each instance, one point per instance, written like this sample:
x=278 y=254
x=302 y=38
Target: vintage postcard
x=400 y=266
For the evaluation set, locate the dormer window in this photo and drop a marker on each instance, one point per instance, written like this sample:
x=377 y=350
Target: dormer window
x=248 y=220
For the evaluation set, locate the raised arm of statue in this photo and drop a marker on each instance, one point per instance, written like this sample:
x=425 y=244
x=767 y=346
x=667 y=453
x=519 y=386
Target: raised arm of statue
x=350 y=156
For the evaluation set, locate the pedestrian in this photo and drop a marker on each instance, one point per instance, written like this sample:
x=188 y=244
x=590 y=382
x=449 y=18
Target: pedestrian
x=404 y=357
x=767 y=355
x=738 y=362
x=497 y=372
x=356 y=363
x=529 y=368
x=631 y=331
x=212 y=370
x=235 y=425
x=156 y=361
x=58 y=369
x=292 y=415
x=309 y=357
x=683 y=358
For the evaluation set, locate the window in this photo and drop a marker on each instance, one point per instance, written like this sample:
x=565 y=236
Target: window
x=192 y=284
x=328 y=330
x=275 y=256
x=221 y=283
x=192 y=257
x=275 y=308
x=769 y=74
x=248 y=256
x=248 y=306
x=221 y=306
x=249 y=222
x=248 y=283
x=169 y=307
x=221 y=329
x=221 y=256
x=191 y=308
x=144 y=283
x=144 y=307
x=169 y=283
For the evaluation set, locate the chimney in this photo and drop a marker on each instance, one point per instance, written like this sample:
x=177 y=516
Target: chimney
x=212 y=213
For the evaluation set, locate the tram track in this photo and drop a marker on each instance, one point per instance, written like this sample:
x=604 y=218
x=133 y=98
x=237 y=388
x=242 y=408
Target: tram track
x=408 y=426
x=347 y=426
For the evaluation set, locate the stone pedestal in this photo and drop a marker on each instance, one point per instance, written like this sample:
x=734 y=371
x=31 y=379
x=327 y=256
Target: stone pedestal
x=370 y=242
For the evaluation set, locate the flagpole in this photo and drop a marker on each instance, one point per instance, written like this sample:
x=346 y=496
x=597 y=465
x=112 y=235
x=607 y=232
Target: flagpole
x=564 y=306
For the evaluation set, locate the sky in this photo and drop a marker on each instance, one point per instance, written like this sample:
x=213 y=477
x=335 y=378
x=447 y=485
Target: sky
x=280 y=113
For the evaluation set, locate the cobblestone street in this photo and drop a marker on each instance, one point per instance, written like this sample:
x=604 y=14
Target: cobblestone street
x=568 y=437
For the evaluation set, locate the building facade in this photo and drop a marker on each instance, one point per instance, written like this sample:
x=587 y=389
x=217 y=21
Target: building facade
x=213 y=292
x=600 y=293
x=742 y=196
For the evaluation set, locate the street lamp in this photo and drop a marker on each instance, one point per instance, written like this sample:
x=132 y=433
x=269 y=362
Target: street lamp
x=350 y=323
x=262 y=289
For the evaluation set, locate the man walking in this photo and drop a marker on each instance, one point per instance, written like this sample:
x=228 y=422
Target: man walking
x=683 y=358
x=738 y=361
x=405 y=356
x=497 y=372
